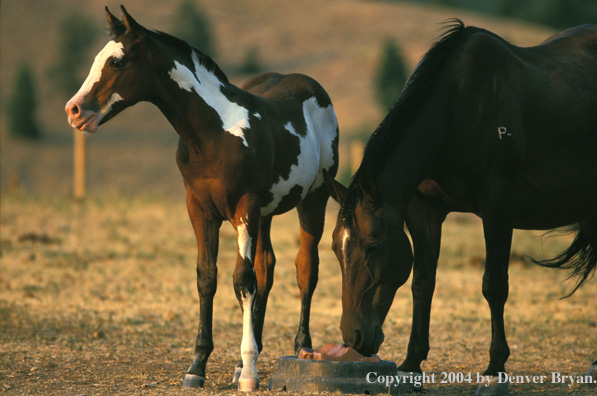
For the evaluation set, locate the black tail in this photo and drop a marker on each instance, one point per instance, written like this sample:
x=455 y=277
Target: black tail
x=580 y=257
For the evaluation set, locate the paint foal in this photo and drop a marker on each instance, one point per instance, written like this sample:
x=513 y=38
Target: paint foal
x=245 y=155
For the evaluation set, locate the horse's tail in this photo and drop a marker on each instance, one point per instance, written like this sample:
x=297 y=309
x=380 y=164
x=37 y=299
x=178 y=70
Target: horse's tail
x=580 y=257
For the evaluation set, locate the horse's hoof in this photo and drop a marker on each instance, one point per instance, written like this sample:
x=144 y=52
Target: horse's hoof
x=495 y=388
x=248 y=384
x=593 y=373
x=193 y=381
x=410 y=381
x=236 y=375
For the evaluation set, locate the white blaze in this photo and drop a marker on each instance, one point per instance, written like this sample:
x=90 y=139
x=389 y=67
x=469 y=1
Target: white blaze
x=111 y=50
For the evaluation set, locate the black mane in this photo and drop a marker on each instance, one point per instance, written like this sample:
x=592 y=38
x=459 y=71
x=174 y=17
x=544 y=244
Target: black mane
x=204 y=59
x=388 y=134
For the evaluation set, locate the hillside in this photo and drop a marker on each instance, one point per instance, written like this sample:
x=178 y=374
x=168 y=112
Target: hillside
x=336 y=42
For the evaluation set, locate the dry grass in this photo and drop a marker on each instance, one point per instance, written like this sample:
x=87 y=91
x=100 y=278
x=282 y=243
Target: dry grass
x=99 y=298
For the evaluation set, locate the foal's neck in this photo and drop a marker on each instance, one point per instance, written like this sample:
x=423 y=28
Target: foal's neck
x=198 y=105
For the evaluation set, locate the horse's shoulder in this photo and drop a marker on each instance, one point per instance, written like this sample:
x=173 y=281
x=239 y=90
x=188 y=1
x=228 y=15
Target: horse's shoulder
x=484 y=46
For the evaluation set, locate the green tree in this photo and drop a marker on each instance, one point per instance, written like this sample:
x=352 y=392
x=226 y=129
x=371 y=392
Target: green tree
x=192 y=26
x=22 y=106
x=252 y=64
x=391 y=75
x=77 y=34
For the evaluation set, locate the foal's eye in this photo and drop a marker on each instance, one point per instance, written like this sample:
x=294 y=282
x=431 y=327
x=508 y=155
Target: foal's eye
x=372 y=249
x=116 y=63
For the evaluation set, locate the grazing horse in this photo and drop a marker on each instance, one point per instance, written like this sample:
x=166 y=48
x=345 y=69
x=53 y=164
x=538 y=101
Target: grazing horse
x=485 y=127
x=245 y=155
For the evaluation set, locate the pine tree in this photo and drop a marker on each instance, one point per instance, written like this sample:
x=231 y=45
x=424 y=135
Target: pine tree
x=22 y=106
x=391 y=75
x=192 y=26
x=252 y=64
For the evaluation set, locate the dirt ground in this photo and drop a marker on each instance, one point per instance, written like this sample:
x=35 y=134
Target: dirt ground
x=99 y=298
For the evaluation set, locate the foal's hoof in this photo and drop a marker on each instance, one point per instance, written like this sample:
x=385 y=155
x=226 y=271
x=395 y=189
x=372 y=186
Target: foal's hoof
x=495 y=388
x=193 y=381
x=248 y=384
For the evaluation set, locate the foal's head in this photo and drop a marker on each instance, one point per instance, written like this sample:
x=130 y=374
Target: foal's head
x=121 y=75
x=375 y=257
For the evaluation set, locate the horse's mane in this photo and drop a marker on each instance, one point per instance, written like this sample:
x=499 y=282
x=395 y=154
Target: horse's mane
x=389 y=133
x=182 y=45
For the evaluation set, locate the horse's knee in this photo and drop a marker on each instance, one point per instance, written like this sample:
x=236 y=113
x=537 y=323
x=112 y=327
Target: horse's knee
x=307 y=269
x=207 y=280
x=495 y=290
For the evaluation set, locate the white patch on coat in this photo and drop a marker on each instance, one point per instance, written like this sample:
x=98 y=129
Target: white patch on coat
x=111 y=50
x=321 y=122
x=235 y=118
x=257 y=115
x=316 y=153
x=245 y=242
x=248 y=347
x=108 y=106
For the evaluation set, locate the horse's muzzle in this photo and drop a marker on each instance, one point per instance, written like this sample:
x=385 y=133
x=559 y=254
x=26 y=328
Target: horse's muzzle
x=366 y=341
x=83 y=120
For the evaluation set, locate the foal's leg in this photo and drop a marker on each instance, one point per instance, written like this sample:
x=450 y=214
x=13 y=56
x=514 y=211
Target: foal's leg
x=424 y=221
x=311 y=213
x=207 y=233
x=264 y=269
x=245 y=287
x=265 y=261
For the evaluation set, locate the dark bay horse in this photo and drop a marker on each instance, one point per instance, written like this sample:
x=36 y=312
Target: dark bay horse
x=245 y=155
x=506 y=133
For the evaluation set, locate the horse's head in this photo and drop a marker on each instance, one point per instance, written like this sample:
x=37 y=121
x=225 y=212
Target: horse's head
x=376 y=259
x=120 y=77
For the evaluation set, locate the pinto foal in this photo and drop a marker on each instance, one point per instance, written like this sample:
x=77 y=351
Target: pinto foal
x=245 y=154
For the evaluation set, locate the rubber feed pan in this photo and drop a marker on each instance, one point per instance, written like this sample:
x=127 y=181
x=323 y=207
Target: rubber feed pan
x=303 y=375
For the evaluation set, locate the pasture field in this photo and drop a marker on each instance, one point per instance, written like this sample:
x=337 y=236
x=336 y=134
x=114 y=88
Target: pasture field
x=98 y=298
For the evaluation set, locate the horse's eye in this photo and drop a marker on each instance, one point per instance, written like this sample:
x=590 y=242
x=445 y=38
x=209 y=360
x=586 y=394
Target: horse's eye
x=116 y=63
x=372 y=249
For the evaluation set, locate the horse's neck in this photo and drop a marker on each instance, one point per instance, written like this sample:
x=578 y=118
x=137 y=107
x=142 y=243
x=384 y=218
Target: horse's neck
x=207 y=112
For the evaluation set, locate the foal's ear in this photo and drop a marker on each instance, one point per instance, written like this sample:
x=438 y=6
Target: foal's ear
x=132 y=27
x=116 y=26
x=336 y=189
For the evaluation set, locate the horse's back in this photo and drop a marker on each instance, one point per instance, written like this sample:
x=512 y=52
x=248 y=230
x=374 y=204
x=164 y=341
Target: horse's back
x=530 y=112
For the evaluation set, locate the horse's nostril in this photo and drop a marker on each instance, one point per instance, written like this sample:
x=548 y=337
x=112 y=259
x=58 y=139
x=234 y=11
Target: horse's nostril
x=72 y=109
x=358 y=339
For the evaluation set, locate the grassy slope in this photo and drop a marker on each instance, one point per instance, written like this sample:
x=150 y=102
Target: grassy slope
x=337 y=42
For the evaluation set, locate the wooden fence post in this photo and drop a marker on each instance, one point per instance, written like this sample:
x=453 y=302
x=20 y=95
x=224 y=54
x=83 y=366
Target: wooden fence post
x=79 y=164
